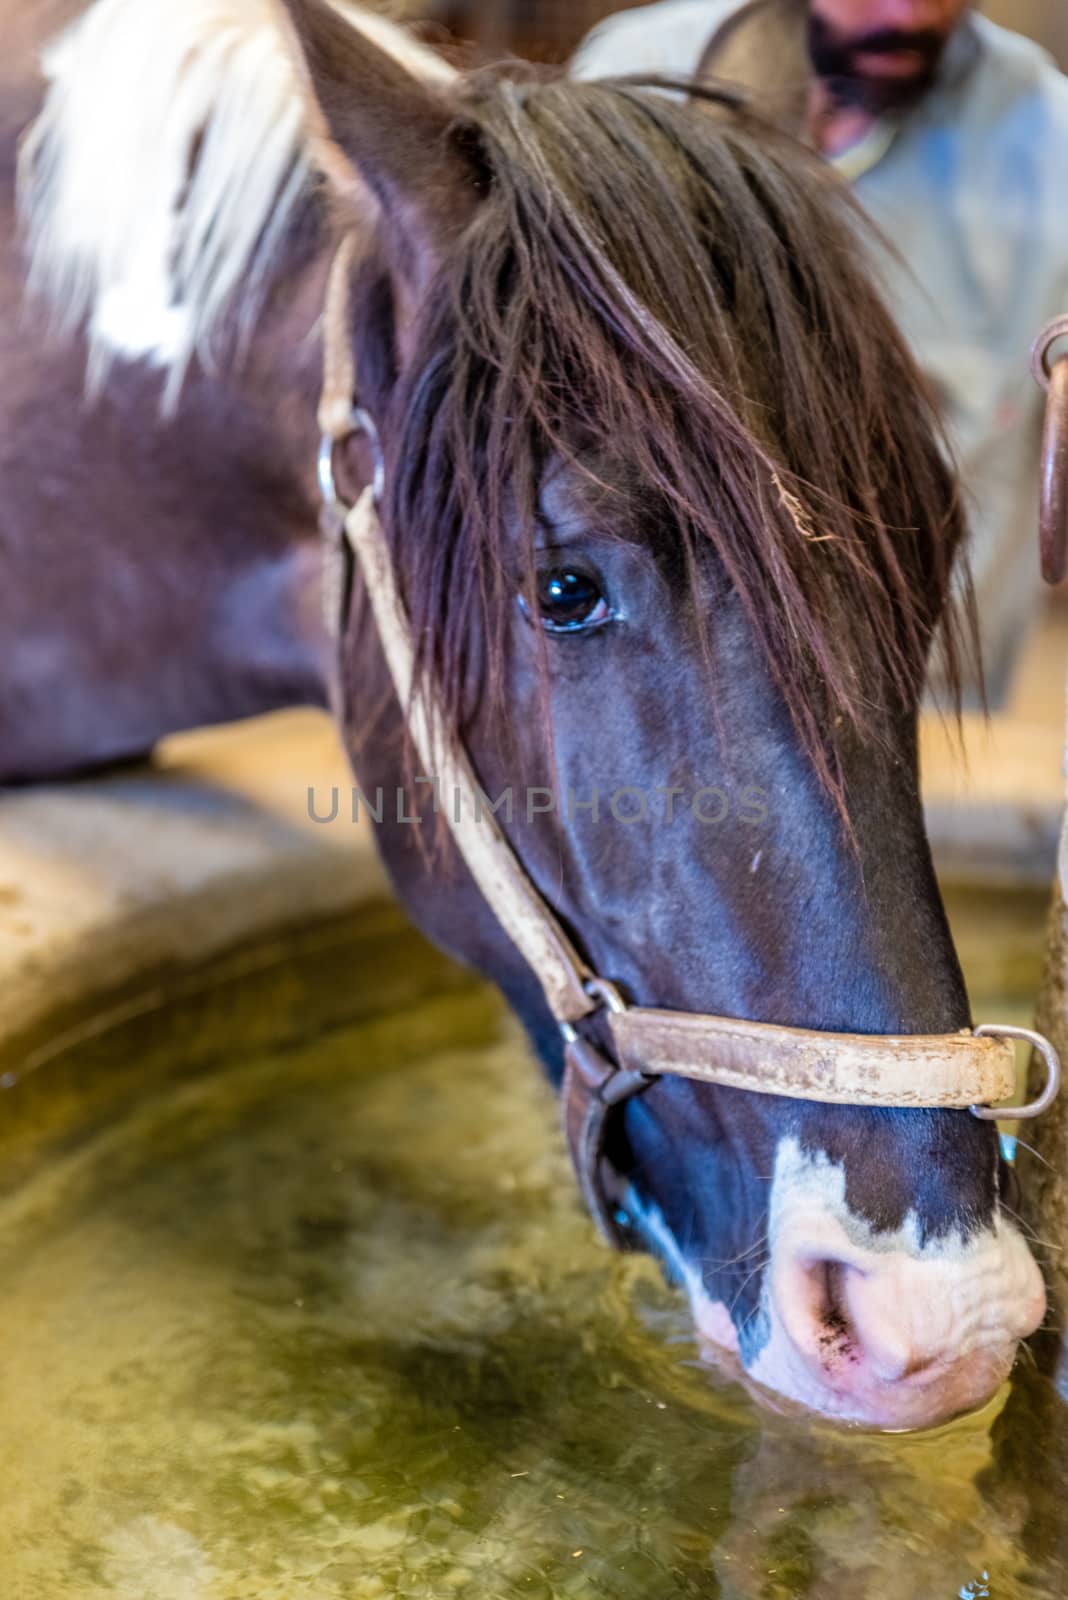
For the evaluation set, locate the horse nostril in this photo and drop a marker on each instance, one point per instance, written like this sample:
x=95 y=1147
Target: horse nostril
x=853 y=1331
x=830 y=1276
x=814 y=1292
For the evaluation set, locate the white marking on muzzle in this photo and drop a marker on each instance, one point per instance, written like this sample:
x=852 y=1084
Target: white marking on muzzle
x=884 y=1327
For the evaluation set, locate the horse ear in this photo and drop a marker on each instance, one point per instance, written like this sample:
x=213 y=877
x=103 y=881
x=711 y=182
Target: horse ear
x=381 y=118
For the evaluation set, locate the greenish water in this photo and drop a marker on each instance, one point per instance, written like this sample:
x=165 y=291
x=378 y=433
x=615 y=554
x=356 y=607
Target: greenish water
x=329 y=1325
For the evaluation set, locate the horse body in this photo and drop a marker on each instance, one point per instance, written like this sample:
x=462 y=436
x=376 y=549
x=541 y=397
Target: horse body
x=647 y=547
x=157 y=574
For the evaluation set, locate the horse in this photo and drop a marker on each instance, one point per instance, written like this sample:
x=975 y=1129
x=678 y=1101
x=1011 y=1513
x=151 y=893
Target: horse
x=666 y=509
x=156 y=577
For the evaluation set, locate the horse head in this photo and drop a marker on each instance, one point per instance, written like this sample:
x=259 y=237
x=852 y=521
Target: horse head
x=668 y=511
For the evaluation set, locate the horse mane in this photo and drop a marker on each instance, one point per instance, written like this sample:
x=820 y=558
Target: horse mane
x=684 y=291
x=168 y=160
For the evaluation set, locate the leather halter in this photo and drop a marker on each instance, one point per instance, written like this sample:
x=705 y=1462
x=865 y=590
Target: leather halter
x=969 y=1069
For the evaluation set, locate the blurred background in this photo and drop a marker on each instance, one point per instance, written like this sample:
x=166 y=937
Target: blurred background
x=549 y=30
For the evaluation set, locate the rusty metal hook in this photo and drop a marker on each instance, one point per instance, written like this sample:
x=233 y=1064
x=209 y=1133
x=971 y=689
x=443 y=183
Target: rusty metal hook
x=1052 y=375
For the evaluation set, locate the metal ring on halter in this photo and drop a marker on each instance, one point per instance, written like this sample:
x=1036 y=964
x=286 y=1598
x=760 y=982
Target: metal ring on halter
x=607 y=993
x=597 y=989
x=1035 y=1108
x=360 y=421
x=624 y=1083
x=1041 y=367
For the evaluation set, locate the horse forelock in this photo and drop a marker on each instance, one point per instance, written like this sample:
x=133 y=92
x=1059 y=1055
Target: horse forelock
x=686 y=294
x=168 y=161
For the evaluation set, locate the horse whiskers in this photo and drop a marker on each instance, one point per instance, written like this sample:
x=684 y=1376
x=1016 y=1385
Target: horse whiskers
x=746 y=1280
x=750 y=1317
x=1029 y=1233
x=725 y=1262
x=1036 y=1153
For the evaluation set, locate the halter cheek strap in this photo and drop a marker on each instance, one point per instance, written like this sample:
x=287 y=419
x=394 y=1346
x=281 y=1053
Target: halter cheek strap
x=516 y=904
x=973 y=1070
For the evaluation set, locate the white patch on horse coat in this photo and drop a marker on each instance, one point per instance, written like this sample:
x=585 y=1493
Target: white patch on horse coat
x=923 y=1329
x=128 y=234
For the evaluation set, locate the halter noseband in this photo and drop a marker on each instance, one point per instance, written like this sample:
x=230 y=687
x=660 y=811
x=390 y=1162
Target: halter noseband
x=971 y=1070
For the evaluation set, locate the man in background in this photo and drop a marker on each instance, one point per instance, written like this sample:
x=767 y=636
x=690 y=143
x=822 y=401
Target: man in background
x=954 y=135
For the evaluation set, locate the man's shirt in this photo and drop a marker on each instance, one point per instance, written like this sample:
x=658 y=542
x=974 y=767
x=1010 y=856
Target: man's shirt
x=971 y=187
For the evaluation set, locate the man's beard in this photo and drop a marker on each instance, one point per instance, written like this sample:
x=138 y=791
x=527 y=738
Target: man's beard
x=836 y=57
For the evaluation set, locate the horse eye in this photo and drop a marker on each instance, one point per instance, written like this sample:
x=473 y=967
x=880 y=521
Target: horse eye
x=569 y=600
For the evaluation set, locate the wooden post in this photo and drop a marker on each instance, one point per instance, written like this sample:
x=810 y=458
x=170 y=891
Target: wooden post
x=1044 y=1170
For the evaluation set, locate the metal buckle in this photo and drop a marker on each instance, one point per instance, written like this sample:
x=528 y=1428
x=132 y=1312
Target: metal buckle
x=599 y=989
x=607 y=993
x=623 y=1081
x=1034 y=1108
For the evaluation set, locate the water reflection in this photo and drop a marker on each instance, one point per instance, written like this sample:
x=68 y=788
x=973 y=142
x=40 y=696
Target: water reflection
x=332 y=1325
